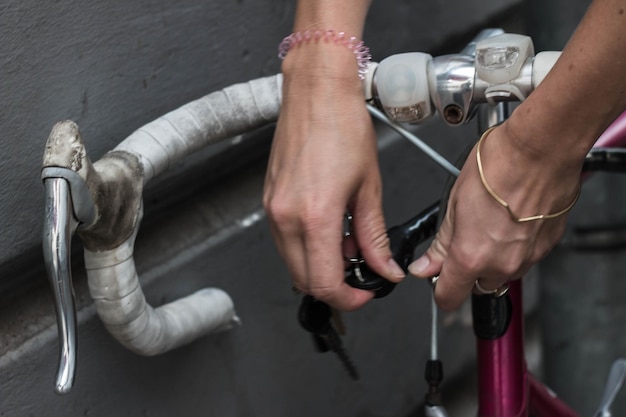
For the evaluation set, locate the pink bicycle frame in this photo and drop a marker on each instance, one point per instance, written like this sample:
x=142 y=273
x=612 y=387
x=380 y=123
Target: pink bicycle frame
x=505 y=387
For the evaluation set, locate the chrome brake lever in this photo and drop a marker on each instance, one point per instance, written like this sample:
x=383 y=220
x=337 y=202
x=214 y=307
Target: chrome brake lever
x=59 y=227
x=68 y=204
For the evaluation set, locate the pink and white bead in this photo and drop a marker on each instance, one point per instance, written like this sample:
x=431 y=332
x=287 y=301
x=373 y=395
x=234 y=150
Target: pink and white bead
x=361 y=52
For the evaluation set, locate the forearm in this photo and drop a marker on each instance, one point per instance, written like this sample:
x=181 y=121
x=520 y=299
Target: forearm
x=346 y=15
x=583 y=94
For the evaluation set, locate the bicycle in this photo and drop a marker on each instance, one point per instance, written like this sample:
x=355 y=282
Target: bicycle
x=88 y=199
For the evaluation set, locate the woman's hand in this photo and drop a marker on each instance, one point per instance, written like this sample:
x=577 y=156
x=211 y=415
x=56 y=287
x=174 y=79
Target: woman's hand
x=478 y=240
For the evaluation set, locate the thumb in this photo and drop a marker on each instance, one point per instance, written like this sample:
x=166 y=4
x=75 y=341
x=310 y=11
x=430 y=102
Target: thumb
x=429 y=264
x=449 y=293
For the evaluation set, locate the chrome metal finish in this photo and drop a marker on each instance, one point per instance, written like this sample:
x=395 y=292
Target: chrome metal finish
x=453 y=81
x=59 y=226
x=613 y=386
x=489 y=116
x=82 y=204
x=434 y=324
x=435 y=411
x=456 y=90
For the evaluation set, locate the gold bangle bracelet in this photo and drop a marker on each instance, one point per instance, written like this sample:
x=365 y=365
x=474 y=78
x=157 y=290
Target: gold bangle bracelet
x=503 y=203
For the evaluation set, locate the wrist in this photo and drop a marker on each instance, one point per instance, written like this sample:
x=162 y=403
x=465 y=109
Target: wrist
x=322 y=69
x=512 y=213
x=318 y=55
x=328 y=37
x=542 y=130
x=531 y=180
x=546 y=146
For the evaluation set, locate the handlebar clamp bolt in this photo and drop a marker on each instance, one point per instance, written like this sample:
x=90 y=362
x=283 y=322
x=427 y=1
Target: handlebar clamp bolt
x=453 y=114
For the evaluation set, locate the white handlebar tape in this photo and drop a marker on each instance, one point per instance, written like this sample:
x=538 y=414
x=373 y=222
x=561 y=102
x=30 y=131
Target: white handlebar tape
x=223 y=114
x=122 y=307
x=113 y=280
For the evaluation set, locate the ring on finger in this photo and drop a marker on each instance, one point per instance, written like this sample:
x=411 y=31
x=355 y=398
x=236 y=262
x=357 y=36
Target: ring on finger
x=433 y=281
x=498 y=292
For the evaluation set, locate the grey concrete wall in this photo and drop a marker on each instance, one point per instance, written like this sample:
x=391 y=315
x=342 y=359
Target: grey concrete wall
x=113 y=66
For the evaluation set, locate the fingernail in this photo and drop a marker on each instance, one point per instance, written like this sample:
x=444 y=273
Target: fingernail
x=419 y=266
x=395 y=269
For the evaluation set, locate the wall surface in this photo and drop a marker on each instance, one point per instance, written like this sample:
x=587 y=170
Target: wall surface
x=113 y=66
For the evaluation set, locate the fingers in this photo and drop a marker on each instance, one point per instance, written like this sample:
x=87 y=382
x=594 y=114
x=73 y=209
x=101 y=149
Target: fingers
x=324 y=264
x=456 y=281
x=454 y=286
x=459 y=262
x=460 y=266
x=313 y=249
x=369 y=228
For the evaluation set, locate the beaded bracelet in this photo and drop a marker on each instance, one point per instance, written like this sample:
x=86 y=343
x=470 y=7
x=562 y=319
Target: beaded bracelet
x=361 y=52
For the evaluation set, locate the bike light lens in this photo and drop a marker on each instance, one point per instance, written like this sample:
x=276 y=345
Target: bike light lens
x=402 y=87
x=497 y=57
